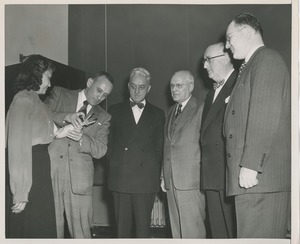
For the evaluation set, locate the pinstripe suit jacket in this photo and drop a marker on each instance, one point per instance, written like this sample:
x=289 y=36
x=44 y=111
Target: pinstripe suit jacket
x=257 y=125
x=94 y=140
x=182 y=146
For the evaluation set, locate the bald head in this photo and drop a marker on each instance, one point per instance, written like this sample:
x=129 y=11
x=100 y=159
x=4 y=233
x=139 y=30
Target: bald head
x=243 y=34
x=182 y=85
x=217 y=62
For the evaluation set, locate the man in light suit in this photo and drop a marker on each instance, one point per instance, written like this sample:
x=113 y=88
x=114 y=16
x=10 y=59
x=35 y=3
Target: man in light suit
x=257 y=130
x=135 y=149
x=72 y=168
x=221 y=212
x=181 y=164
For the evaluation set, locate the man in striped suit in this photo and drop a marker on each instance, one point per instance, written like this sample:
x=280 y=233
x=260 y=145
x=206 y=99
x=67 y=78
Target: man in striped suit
x=257 y=130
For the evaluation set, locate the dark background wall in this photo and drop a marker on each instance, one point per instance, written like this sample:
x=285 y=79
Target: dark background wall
x=163 y=39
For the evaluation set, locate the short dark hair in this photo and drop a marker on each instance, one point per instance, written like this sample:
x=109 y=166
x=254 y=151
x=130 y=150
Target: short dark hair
x=31 y=73
x=249 y=19
x=103 y=73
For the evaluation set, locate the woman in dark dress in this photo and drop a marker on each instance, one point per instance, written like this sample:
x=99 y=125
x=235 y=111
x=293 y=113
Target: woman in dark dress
x=29 y=130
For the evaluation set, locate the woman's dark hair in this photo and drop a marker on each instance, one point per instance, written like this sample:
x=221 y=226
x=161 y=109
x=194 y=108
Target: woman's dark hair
x=32 y=69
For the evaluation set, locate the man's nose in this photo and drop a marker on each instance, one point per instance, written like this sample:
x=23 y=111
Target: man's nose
x=227 y=45
x=137 y=90
x=100 y=96
x=205 y=65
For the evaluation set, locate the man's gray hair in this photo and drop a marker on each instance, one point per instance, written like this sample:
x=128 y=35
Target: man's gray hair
x=142 y=71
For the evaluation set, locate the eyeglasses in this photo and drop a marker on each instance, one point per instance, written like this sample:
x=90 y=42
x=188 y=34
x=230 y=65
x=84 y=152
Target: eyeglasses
x=208 y=59
x=179 y=86
x=228 y=36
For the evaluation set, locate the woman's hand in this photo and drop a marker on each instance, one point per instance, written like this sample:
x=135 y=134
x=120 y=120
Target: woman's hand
x=18 y=207
x=75 y=134
x=75 y=119
x=63 y=132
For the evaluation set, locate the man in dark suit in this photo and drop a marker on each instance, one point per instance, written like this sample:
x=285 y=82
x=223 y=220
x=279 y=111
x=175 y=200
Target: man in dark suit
x=72 y=168
x=221 y=213
x=181 y=165
x=135 y=153
x=257 y=128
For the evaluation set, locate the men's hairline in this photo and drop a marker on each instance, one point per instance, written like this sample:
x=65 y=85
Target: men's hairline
x=186 y=74
x=97 y=79
x=148 y=81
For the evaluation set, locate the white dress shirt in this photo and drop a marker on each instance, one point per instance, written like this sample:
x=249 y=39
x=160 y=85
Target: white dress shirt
x=217 y=91
x=137 y=112
x=81 y=99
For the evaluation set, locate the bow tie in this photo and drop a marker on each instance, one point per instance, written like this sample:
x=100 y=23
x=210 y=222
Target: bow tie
x=218 y=84
x=140 y=105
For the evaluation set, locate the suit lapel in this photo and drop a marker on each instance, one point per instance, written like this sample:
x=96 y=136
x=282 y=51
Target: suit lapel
x=185 y=114
x=170 y=116
x=141 y=129
x=128 y=121
x=220 y=100
x=207 y=105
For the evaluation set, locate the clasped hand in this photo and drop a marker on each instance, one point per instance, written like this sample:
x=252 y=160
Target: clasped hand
x=247 y=178
x=18 y=207
x=74 y=130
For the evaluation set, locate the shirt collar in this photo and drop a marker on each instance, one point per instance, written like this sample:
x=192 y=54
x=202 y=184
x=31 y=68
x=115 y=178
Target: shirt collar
x=185 y=102
x=81 y=97
x=226 y=78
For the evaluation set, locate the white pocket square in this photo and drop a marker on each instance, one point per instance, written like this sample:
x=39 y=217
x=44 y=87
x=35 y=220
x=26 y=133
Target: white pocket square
x=227 y=99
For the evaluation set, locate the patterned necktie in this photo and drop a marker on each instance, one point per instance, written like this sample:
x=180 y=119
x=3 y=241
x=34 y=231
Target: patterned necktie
x=140 y=105
x=218 y=84
x=243 y=65
x=178 y=110
x=84 y=107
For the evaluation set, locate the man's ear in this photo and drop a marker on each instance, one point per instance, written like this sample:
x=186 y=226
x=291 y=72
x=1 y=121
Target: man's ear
x=89 y=82
x=227 y=58
x=248 y=30
x=149 y=88
x=191 y=87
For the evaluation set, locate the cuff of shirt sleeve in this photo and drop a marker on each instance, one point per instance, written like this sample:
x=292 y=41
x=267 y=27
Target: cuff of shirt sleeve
x=20 y=198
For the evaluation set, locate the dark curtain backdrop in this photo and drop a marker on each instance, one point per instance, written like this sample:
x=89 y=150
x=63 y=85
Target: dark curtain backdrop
x=163 y=39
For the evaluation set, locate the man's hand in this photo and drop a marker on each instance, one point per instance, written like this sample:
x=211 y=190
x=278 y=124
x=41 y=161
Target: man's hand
x=75 y=134
x=63 y=132
x=162 y=184
x=75 y=119
x=18 y=207
x=247 y=178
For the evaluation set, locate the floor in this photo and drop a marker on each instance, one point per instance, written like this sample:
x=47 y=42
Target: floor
x=107 y=232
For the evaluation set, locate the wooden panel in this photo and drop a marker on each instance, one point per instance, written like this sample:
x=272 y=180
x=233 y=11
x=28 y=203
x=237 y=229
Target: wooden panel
x=87 y=37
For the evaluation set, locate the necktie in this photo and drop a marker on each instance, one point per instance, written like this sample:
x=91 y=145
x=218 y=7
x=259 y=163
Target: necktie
x=178 y=110
x=218 y=84
x=243 y=65
x=140 y=105
x=84 y=107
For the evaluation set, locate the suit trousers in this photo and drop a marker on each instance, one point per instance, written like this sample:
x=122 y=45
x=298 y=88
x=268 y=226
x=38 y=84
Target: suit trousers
x=187 y=212
x=77 y=208
x=264 y=215
x=133 y=207
x=221 y=214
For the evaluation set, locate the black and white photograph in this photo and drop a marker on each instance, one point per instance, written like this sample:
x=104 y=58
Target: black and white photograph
x=150 y=121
